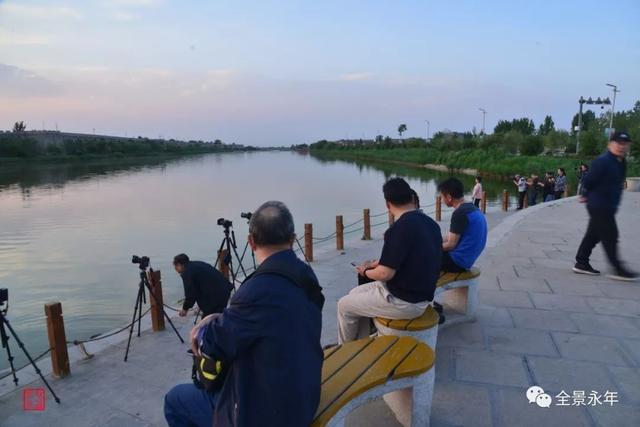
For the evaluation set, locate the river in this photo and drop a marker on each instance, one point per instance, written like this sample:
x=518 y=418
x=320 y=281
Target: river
x=68 y=230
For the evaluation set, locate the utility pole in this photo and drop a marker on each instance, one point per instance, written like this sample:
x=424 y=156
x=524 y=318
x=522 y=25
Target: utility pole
x=484 y=113
x=613 y=106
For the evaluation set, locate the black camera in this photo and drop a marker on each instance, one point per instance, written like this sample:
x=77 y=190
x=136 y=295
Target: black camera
x=142 y=260
x=246 y=215
x=4 y=295
x=224 y=222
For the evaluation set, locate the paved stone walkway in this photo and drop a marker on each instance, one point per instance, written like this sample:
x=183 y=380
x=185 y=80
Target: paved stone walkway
x=539 y=324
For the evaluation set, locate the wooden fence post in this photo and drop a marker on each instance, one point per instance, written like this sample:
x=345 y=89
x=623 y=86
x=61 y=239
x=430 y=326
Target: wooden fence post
x=525 y=202
x=57 y=339
x=223 y=266
x=157 y=303
x=367 y=225
x=439 y=208
x=339 y=233
x=566 y=191
x=505 y=200
x=483 y=203
x=308 y=242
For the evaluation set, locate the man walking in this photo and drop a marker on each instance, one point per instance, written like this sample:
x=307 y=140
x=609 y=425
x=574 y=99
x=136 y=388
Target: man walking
x=602 y=191
x=203 y=284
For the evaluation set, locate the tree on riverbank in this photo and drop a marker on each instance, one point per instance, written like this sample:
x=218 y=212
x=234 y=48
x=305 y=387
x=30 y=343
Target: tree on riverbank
x=402 y=129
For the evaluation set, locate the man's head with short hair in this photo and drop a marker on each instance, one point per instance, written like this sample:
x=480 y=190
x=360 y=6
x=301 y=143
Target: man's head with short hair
x=451 y=190
x=272 y=225
x=180 y=261
x=397 y=192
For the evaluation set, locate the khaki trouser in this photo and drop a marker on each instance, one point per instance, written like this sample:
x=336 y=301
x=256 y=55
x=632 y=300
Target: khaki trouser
x=371 y=300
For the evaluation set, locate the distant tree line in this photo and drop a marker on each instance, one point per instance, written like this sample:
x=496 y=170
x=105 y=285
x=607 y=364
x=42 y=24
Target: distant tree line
x=20 y=144
x=516 y=136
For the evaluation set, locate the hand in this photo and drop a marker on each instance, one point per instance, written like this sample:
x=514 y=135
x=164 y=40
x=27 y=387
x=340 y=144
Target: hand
x=193 y=335
x=183 y=312
x=582 y=199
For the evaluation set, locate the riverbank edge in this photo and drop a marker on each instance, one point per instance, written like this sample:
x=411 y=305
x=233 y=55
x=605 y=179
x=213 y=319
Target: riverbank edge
x=339 y=155
x=19 y=161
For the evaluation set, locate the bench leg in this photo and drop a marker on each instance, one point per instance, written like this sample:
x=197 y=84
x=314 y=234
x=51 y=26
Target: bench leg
x=422 y=396
x=463 y=300
x=412 y=406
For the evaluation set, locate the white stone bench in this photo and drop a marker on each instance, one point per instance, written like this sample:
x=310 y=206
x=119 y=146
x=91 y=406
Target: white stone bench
x=361 y=371
x=458 y=293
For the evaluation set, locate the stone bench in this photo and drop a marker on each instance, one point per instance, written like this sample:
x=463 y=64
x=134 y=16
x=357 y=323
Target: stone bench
x=459 y=293
x=363 y=370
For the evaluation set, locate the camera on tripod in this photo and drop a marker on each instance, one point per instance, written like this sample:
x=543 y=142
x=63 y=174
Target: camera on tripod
x=246 y=215
x=225 y=222
x=143 y=261
x=4 y=295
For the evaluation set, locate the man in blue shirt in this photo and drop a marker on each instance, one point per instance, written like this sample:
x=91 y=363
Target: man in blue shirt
x=468 y=232
x=268 y=337
x=602 y=191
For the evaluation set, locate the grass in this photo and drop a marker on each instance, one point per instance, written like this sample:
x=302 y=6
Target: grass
x=490 y=163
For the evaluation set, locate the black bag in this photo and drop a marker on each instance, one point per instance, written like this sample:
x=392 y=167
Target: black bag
x=208 y=373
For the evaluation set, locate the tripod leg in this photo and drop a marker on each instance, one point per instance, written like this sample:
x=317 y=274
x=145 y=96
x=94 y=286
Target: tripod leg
x=141 y=299
x=5 y=344
x=26 y=353
x=133 y=322
x=146 y=283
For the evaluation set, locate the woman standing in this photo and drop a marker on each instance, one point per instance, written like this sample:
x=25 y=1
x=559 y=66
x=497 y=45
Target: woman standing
x=548 y=187
x=561 y=183
x=476 y=195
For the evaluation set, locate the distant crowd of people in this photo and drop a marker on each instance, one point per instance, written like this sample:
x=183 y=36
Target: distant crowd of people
x=550 y=187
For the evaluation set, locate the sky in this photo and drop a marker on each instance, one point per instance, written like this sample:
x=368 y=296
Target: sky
x=289 y=72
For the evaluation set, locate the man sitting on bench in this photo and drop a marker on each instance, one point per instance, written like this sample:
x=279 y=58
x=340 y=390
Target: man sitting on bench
x=468 y=232
x=405 y=276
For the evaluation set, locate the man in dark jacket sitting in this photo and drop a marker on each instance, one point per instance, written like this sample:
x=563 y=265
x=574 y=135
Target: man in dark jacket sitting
x=203 y=284
x=269 y=337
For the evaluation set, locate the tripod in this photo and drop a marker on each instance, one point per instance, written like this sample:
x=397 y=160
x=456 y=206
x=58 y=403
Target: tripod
x=229 y=243
x=5 y=344
x=137 y=309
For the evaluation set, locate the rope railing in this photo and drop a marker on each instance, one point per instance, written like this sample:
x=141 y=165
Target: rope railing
x=99 y=337
x=35 y=359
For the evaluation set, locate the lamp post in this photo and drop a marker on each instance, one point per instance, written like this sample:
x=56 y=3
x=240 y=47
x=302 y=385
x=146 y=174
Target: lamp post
x=613 y=105
x=484 y=113
x=428 y=124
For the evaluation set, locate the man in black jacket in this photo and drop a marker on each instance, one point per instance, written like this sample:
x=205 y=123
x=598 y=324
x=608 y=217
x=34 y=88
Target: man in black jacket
x=602 y=191
x=203 y=284
x=268 y=337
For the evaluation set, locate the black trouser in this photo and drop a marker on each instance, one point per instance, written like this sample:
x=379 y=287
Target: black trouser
x=449 y=265
x=476 y=202
x=521 y=196
x=602 y=228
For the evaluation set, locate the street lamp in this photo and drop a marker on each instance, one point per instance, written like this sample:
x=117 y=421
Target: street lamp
x=428 y=124
x=484 y=113
x=613 y=105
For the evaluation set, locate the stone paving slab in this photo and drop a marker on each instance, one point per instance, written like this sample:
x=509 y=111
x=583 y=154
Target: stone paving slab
x=538 y=324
